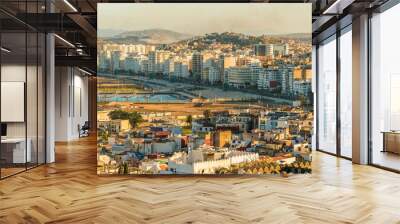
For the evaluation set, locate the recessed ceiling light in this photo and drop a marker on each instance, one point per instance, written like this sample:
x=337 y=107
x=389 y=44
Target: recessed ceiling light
x=337 y=7
x=84 y=71
x=70 y=5
x=5 y=50
x=64 y=40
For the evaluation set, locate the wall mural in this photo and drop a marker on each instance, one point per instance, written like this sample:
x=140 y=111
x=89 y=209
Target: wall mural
x=204 y=88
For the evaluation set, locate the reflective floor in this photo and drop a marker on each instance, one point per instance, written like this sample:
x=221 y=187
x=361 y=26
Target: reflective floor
x=387 y=159
x=69 y=191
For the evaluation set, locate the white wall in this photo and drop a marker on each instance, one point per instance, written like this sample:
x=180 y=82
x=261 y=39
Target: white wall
x=71 y=102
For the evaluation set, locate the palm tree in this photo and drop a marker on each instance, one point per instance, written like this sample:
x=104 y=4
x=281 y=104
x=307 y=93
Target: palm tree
x=135 y=119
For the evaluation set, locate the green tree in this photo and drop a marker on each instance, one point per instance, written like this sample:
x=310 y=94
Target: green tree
x=103 y=151
x=104 y=135
x=120 y=169
x=207 y=114
x=189 y=120
x=134 y=117
x=126 y=168
x=118 y=114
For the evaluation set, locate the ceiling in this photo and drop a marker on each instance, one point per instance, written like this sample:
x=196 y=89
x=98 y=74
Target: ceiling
x=75 y=21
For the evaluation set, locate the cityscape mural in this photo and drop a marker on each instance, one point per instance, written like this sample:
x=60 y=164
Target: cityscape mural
x=204 y=89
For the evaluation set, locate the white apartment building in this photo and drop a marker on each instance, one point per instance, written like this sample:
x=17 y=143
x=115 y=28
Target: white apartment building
x=271 y=50
x=168 y=67
x=156 y=59
x=239 y=77
x=214 y=75
x=181 y=70
x=263 y=80
x=137 y=48
x=281 y=49
x=256 y=70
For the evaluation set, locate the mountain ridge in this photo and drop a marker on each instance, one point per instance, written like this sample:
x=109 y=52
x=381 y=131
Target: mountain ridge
x=164 y=36
x=151 y=36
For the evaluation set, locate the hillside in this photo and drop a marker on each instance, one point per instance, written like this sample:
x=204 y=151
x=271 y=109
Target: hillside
x=151 y=36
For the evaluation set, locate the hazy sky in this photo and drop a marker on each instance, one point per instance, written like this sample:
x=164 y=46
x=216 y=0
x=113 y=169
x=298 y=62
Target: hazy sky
x=198 y=19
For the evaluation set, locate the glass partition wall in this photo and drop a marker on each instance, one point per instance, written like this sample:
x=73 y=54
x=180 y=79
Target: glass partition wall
x=22 y=77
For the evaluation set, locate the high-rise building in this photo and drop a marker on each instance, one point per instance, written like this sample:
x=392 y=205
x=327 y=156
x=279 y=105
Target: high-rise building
x=144 y=66
x=197 y=64
x=152 y=62
x=211 y=71
x=137 y=48
x=211 y=74
x=204 y=74
x=280 y=49
x=264 y=50
x=260 y=49
x=168 y=67
x=156 y=59
x=115 y=60
x=224 y=62
x=181 y=70
x=214 y=75
x=134 y=63
x=104 y=61
x=287 y=80
x=256 y=70
x=271 y=50
x=267 y=79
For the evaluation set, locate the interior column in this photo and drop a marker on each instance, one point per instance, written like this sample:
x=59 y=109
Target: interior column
x=360 y=90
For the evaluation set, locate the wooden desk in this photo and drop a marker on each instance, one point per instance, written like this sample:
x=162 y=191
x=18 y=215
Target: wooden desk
x=391 y=141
